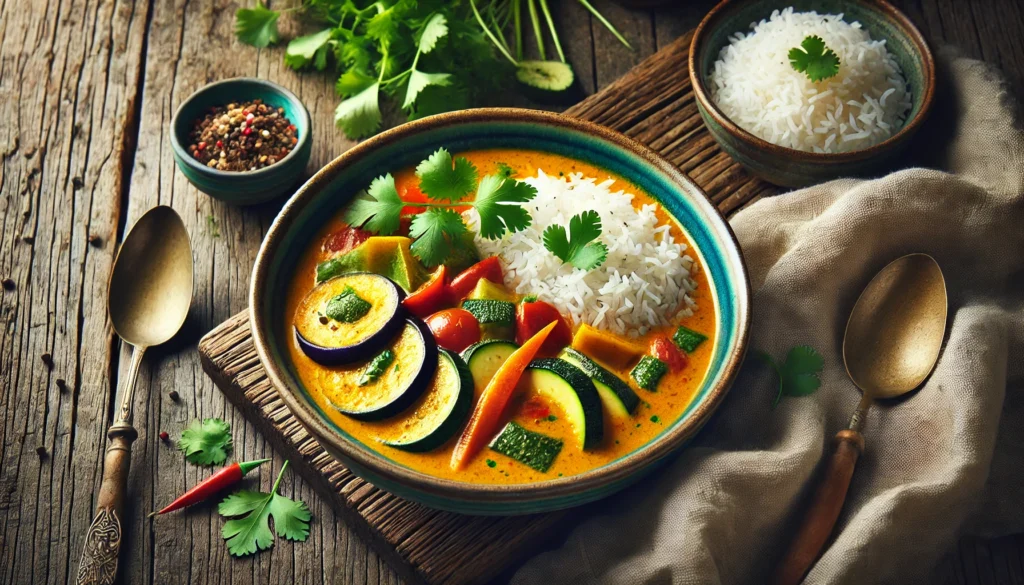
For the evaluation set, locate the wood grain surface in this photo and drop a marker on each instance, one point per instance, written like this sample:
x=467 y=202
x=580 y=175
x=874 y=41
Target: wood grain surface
x=87 y=89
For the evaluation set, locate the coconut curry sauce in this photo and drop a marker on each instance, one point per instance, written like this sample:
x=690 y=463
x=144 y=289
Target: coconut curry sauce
x=622 y=434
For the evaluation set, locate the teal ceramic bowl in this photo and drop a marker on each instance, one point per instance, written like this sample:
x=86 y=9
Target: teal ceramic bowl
x=323 y=196
x=249 y=187
x=796 y=168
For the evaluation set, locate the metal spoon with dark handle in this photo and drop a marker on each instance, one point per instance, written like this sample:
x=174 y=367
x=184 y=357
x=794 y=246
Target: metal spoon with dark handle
x=149 y=295
x=892 y=342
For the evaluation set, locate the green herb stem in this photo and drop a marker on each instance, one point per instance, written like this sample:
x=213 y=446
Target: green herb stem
x=518 y=24
x=551 y=27
x=531 y=4
x=490 y=35
x=606 y=24
x=280 y=474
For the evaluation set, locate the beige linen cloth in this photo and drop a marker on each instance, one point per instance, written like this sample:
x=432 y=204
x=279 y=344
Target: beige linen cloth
x=946 y=462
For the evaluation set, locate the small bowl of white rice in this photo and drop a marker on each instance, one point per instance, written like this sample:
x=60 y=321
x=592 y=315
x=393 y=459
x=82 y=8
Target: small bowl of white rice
x=794 y=130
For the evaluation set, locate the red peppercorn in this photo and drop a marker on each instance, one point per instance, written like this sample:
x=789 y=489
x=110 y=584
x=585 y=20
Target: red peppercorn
x=201 y=146
x=247 y=131
x=291 y=127
x=220 y=144
x=164 y=436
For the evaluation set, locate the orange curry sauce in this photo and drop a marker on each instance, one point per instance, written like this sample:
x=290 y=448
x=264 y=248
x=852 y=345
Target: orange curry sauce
x=656 y=412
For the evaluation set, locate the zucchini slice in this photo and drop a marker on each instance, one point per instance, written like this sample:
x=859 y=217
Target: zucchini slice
x=440 y=412
x=497 y=318
x=395 y=389
x=349 y=318
x=648 y=372
x=527 y=447
x=687 y=339
x=484 y=358
x=567 y=385
x=617 y=396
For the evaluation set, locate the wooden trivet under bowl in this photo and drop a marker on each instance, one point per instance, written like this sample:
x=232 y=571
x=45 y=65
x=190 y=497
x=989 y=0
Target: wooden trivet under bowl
x=653 y=104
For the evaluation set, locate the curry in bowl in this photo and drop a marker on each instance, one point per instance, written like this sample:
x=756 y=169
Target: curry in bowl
x=501 y=316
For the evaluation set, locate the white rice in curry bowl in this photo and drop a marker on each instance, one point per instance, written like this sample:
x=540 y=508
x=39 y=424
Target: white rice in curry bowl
x=755 y=86
x=645 y=281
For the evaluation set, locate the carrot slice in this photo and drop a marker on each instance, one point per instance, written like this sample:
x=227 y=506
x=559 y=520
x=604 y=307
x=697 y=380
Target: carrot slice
x=487 y=414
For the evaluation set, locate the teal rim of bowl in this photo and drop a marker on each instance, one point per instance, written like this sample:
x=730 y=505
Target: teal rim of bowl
x=472 y=132
x=234 y=90
x=881 y=19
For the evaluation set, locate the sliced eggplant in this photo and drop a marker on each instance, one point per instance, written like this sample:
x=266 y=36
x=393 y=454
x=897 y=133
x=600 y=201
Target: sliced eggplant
x=618 y=398
x=395 y=389
x=440 y=412
x=349 y=318
x=484 y=358
x=570 y=388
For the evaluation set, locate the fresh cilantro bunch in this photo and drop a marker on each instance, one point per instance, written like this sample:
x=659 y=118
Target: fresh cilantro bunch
x=816 y=60
x=431 y=56
x=578 y=247
x=250 y=531
x=448 y=184
x=798 y=375
x=206 y=442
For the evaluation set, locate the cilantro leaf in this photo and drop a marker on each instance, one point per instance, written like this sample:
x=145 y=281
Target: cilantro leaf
x=359 y=115
x=798 y=376
x=434 y=30
x=206 y=442
x=383 y=26
x=380 y=208
x=443 y=179
x=497 y=202
x=353 y=81
x=816 y=60
x=256 y=26
x=578 y=246
x=435 y=231
x=505 y=171
x=418 y=81
x=308 y=49
x=252 y=533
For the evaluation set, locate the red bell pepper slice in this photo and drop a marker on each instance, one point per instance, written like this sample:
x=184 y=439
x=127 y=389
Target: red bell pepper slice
x=465 y=282
x=431 y=297
x=532 y=316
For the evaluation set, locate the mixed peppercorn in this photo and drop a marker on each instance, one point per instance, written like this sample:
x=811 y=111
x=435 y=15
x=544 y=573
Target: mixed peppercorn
x=242 y=137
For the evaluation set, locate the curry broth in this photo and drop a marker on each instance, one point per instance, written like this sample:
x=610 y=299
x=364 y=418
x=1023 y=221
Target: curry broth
x=656 y=412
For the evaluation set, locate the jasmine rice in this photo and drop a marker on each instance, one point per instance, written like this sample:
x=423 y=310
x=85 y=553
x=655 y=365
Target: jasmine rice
x=644 y=282
x=755 y=86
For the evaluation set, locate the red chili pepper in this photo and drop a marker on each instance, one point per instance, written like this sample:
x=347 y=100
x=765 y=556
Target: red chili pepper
x=224 y=478
x=463 y=284
x=431 y=297
x=665 y=350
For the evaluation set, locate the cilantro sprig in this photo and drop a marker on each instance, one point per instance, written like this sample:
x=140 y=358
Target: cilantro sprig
x=816 y=60
x=798 y=375
x=206 y=442
x=251 y=531
x=578 y=247
x=448 y=183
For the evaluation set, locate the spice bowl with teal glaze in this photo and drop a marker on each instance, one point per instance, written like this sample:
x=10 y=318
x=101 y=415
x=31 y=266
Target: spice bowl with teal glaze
x=316 y=203
x=250 y=187
x=796 y=168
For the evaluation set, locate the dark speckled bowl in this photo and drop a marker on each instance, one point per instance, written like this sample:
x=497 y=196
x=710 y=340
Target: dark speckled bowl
x=795 y=168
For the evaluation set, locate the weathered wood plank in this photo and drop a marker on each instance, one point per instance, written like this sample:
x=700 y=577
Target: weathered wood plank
x=68 y=89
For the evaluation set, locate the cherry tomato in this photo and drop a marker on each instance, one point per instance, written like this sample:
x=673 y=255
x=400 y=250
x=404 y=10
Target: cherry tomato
x=533 y=316
x=463 y=284
x=431 y=297
x=668 y=352
x=344 y=240
x=454 y=329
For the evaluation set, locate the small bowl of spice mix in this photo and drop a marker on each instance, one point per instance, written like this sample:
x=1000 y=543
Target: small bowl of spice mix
x=242 y=140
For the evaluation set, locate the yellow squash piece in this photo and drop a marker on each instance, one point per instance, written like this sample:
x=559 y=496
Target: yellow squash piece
x=606 y=348
x=385 y=255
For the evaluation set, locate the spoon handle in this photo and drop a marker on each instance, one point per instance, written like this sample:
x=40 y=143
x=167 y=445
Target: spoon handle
x=103 y=540
x=825 y=506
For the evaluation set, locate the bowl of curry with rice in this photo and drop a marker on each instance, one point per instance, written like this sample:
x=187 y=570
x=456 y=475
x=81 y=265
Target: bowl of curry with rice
x=500 y=311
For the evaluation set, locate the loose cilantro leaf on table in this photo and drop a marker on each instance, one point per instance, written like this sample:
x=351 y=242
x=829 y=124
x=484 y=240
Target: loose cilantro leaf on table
x=816 y=60
x=251 y=532
x=206 y=442
x=257 y=26
x=359 y=115
x=578 y=246
x=308 y=49
x=798 y=376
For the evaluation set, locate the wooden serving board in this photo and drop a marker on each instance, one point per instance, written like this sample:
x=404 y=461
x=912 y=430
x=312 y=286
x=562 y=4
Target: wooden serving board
x=654 y=104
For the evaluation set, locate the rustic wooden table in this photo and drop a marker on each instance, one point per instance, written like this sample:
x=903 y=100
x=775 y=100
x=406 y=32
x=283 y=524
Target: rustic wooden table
x=87 y=90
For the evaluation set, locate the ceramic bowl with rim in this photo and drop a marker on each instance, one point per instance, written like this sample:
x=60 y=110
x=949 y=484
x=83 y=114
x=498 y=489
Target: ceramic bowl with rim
x=326 y=192
x=795 y=168
x=251 y=187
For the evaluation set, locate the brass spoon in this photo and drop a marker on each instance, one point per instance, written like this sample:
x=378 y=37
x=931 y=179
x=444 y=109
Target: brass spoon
x=892 y=342
x=149 y=295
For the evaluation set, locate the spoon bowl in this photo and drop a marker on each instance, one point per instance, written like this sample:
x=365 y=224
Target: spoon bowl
x=896 y=327
x=150 y=287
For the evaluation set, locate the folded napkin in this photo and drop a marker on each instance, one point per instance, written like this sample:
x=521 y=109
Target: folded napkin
x=948 y=460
